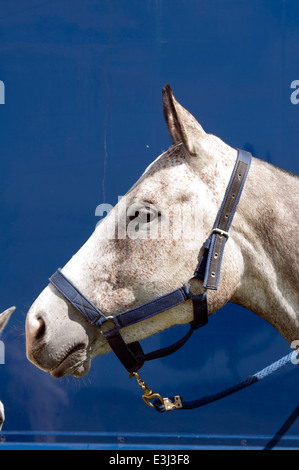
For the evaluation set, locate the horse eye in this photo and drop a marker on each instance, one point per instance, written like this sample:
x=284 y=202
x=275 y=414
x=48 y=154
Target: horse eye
x=133 y=216
x=144 y=215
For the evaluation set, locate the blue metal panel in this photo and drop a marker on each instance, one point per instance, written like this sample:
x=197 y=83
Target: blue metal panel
x=82 y=119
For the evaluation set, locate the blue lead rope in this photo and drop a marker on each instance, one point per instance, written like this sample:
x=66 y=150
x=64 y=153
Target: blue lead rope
x=262 y=374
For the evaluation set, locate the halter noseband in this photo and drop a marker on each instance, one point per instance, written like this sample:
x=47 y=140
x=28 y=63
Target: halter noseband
x=208 y=269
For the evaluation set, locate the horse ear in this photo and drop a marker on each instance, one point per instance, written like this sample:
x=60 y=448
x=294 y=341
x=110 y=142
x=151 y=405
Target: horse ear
x=182 y=126
x=5 y=316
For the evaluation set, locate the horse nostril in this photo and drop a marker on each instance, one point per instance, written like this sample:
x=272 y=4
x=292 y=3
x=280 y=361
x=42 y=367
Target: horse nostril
x=41 y=328
x=35 y=335
x=36 y=329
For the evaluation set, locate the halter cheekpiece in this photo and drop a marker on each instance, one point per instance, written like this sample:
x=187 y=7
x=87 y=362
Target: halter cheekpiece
x=208 y=270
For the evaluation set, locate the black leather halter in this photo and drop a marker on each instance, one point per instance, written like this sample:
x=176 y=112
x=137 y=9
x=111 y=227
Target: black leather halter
x=208 y=270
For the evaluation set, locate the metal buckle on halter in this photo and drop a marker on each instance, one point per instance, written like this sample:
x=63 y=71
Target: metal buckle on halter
x=110 y=319
x=150 y=395
x=219 y=232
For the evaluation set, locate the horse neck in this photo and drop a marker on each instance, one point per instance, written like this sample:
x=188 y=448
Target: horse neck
x=266 y=231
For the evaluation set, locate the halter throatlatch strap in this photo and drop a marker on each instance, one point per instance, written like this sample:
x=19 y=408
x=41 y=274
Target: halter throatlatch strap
x=209 y=266
x=131 y=355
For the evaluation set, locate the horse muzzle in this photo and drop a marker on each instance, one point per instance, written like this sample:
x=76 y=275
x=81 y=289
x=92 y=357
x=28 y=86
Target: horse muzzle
x=53 y=351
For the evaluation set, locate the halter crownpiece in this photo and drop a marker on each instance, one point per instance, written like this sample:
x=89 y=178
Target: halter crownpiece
x=208 y=270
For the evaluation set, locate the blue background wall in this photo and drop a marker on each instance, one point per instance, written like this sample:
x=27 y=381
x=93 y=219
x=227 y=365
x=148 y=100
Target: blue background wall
x=82 y=119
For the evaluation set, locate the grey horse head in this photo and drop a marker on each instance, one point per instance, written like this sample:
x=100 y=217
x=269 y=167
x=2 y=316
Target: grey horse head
x=4 y=318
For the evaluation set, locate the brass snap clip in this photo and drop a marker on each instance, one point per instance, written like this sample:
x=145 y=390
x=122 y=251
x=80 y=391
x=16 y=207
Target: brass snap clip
x=150 y=395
